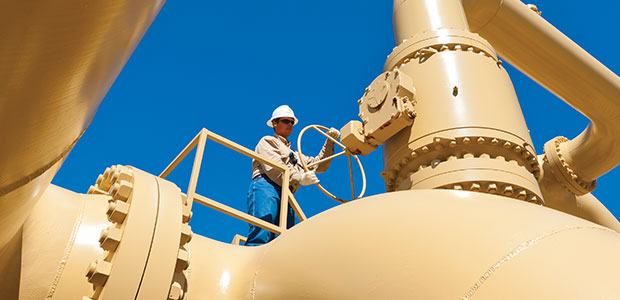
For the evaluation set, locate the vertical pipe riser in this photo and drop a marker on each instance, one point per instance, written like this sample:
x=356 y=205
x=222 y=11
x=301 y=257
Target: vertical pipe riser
x=469 y=132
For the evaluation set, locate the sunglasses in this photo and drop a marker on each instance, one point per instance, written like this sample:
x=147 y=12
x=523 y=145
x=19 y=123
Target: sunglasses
x=286 y=121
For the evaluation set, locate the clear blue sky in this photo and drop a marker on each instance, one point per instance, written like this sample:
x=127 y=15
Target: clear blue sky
x=225 y=65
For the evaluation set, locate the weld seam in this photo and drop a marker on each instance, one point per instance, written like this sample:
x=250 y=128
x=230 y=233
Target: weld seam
x=32 y=176
x=68 y=248
x=518 y=250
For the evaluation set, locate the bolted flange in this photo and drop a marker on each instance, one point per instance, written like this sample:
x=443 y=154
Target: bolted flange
x=562 y=171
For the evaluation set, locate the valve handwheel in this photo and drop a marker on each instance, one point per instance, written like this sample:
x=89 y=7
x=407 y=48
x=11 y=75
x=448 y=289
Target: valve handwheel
x=345 y=151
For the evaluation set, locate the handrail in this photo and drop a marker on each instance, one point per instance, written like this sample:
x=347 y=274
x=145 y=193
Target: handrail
x=237 y=214
x=199 y=142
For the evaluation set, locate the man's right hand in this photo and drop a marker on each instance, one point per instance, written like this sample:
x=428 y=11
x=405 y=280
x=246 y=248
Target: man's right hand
x=309 y=178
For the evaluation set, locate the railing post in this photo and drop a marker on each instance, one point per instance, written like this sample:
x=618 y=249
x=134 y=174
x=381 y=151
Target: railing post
x=193 y=180
x=284 y=199
x=293 y=202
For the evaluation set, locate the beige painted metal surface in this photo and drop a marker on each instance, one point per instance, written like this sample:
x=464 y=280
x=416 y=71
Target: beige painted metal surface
x=97 y=247
x=481 y=142
x=591 y=88
x=450 y=245
x=444 y=248
x=58 y=247
x=71 y=52
x=452 y=229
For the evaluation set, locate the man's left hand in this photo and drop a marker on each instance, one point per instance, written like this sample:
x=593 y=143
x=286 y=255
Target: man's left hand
x=334 y=133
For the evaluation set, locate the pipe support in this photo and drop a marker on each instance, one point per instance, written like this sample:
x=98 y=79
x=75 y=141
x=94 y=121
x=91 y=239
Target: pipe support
x=469 y=132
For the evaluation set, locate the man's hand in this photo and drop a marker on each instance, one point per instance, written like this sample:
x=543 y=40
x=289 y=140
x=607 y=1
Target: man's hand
x=333 y=132
x=308 y=178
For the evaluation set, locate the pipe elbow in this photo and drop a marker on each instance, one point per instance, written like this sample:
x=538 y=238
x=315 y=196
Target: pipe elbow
x=577 y=163
x=594 y=152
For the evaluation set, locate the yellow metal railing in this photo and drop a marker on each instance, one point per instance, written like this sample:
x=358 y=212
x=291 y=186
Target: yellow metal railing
x=200 y=141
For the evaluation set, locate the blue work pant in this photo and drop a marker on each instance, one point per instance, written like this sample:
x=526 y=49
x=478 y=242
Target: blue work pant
x=264 y=202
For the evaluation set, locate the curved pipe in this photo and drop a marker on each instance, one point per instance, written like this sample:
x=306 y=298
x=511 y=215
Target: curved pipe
x=586 y=84
x=57 y=61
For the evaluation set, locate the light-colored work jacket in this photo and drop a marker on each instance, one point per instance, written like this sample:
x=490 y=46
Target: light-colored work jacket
x=278 y=149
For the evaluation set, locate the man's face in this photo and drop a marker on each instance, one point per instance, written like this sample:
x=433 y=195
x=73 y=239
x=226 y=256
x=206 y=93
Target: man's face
x=284 y=126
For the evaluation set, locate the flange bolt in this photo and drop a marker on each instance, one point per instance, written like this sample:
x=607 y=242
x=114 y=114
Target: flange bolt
x=98 y=272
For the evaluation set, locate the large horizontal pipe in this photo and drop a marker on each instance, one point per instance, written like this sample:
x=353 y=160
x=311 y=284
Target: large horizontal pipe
x=58 y=59
x=460 y=245
x=546 y=55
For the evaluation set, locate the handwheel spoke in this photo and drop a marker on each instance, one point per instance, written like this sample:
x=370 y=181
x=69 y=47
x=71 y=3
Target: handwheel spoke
x=323 y=130
x=329 y=137
x=325 y=159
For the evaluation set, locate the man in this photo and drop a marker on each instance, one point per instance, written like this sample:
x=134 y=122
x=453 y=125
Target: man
x=264 y=194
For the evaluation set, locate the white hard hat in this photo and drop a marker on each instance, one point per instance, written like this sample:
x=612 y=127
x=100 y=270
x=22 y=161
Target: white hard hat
x=283 y=111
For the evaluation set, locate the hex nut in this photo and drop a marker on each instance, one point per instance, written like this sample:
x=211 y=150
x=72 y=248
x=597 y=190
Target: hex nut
x=117 y=211
x=99 y=179
x=186 y=234
x=103 y=183
x=176 y=291
x=106 y=173
x=95 y=191
x=122 y=190
x=110 y=238
x=187 y=213
x=98 y=272
x=113 y=189
x=122 y=174
x=182 y=260
x=508 y=190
